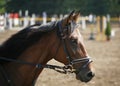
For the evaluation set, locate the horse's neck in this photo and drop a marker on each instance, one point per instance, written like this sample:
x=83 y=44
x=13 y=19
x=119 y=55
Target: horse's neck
x=22 y=75
x=2 y=80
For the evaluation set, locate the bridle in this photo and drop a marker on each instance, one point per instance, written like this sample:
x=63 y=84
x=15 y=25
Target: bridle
x=62 y=37
x=61 y=69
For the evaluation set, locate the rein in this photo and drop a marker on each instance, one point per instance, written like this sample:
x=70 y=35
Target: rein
x=39 y=66
x=60 y=69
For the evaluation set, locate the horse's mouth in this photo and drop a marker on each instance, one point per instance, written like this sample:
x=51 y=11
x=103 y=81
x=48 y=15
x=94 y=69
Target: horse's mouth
x=82 y=79
x=85 y=77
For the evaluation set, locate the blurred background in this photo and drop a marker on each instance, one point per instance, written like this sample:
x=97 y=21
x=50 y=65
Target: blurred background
x=100 y=27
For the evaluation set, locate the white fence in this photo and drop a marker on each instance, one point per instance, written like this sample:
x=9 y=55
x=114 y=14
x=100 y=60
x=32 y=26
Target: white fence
x=8 y=21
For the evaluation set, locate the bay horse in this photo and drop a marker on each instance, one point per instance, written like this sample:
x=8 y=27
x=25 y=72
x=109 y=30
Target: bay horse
x=25 y=54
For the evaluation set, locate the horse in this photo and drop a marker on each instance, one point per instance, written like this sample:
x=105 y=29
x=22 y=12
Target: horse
x=25 y=54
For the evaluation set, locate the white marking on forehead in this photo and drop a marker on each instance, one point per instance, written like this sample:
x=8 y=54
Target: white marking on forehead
x=80 y=38
x=78 y=31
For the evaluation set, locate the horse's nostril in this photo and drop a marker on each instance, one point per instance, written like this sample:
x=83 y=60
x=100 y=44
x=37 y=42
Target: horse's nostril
x=90 y=74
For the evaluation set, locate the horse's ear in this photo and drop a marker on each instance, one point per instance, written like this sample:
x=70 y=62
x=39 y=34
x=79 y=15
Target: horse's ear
x=76 y=16
x=70 y=16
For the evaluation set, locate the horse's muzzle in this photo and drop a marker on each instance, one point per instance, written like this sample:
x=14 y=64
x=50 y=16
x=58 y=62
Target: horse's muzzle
x=85 y=76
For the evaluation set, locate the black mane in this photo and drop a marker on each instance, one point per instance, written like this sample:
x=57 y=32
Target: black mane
x=20 y=41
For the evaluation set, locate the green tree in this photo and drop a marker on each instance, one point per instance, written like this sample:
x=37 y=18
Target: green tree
x=2 y=6
x=114 y=7
x=35 y=6
x=98 y=7
x=108 y=31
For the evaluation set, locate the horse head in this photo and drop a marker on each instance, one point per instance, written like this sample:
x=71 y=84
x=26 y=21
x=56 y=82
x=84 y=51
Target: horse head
x=72 y=51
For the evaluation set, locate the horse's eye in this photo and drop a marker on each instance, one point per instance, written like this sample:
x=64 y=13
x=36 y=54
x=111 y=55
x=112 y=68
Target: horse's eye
x=74 y=41
x=69 y=23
